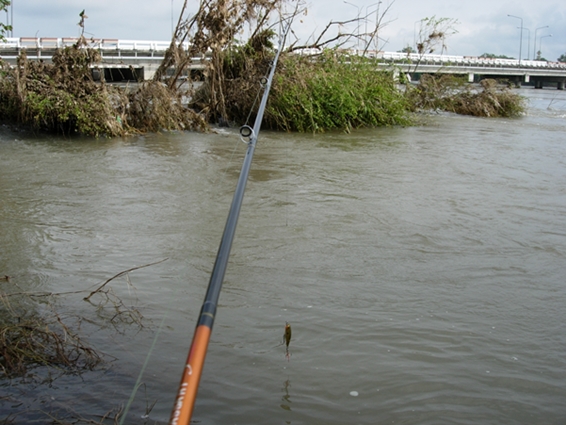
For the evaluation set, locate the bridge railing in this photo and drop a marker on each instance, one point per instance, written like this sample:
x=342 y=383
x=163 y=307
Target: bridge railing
x=467 y=60
x=44 y=47
x=47 y=43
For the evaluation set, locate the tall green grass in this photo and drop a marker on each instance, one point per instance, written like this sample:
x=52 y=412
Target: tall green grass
x=332 y=91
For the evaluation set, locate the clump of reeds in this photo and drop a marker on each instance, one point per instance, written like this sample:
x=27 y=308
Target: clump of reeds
x=309 y=94
x=154 y=106
x=63 y=97
x=334 y=91
x=331 y=91
x=494 y=100
x=230 y=93
x=454 y=94
x=434 y=91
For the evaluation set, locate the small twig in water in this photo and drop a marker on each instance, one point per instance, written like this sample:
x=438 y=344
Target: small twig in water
x=120 y=274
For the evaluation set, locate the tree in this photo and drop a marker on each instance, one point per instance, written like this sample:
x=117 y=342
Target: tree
x=4 y=28
x=407 y=49
x=433 y=33
x=494 y=56
x=540 y=58
x=562 y=58
x=233 y=67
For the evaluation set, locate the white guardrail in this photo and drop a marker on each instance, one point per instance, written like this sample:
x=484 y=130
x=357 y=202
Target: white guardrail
x=159 y=47
x=446 y=60
x=468 y=61
x=110 y=44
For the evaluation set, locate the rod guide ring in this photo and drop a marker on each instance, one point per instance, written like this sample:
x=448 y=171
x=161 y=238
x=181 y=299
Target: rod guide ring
x=246 y=133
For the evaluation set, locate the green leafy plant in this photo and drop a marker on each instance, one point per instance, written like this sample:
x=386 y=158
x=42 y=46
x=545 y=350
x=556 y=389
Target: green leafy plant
x=334 y=91
x=331 y=91
x=4 y=28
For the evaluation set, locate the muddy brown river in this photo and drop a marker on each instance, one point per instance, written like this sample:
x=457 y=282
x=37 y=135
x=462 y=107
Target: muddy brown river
x=423 y=270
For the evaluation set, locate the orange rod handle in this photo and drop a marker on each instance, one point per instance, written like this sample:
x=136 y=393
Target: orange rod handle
x=188 y=388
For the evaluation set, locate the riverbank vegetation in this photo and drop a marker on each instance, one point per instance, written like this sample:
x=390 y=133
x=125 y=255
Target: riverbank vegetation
x=334 y=92
x=325 y=91
x=34 y=334
x=42 y=340
x=453 y=94
x=309 y=93
x=63 y=97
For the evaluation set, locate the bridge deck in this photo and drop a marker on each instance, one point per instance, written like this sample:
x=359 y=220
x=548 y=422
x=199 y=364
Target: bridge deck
x=147 y=54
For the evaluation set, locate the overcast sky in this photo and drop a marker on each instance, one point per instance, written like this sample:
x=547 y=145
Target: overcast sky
x=484 y=25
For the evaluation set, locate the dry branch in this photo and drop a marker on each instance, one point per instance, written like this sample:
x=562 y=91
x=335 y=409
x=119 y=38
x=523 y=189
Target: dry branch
x=121 y=274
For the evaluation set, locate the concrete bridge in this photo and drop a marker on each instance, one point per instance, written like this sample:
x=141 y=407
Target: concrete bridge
x=122 y=60
x=537 y=73
x=137 y=60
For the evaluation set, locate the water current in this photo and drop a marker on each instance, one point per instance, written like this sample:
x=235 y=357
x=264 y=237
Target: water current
x=422 y=269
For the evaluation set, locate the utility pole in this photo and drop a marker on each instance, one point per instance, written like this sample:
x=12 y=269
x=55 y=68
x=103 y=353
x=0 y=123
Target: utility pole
x=520 y=38
x=535 y=46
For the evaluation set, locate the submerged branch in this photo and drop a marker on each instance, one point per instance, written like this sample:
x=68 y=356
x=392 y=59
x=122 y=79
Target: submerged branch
x=121 y=274
x=34 y=333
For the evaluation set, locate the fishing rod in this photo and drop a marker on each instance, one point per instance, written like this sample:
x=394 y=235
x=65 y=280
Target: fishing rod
x=186 y=395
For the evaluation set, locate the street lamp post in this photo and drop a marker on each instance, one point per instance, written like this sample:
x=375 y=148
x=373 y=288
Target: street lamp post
x=377 y=24
x=520 y=38
x=10 y=18
x=529 y=42
x=540 y=43
x=535 y=46
x=359 y=11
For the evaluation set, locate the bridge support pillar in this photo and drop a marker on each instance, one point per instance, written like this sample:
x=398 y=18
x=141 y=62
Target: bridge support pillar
x=471 y=77
x=560 y=85
x=538 y=84
x=396 y=75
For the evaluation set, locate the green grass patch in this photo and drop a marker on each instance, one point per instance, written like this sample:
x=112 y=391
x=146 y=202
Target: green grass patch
x=332 y=91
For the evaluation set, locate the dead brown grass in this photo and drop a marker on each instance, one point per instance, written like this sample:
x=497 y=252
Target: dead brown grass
x=454 y=94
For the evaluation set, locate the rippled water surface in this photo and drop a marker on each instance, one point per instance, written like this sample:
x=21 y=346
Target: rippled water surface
x=422 y=269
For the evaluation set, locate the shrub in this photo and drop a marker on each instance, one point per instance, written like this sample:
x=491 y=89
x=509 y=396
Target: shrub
x=333 y=91
x=63 y=97
x=453 y=94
